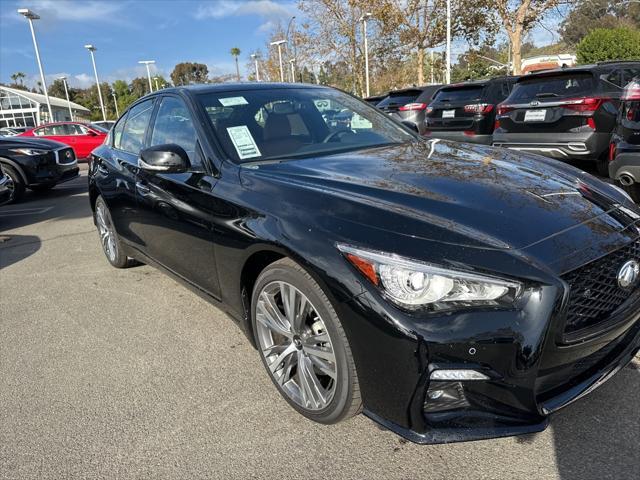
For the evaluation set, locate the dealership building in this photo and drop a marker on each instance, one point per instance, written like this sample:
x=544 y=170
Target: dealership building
x=20 y=108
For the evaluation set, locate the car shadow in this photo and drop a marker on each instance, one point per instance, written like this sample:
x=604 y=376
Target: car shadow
x=15 y=248
x=597 y=437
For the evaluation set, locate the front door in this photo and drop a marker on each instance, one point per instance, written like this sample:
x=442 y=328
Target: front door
x=177 y=211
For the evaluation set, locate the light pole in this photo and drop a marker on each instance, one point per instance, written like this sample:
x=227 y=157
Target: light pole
x=115 y=101
x=255 y=61
x=448 y=77
x=293 y=43
x=155 y=81
x=279 y=43
x=66 y=92
x=293 y=70
x=92 y=49
x=31 y=16
x=363 y=19
x=146 y=64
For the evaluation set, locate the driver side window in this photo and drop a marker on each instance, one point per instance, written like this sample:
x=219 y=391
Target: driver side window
x=173 y=124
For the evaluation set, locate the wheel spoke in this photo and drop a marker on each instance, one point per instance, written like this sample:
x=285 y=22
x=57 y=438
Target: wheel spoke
x=270 y=316
x=312 y=390
x=324 y=352
x=273 y=366
x=302 y=309
x=323 y=366
x=288 y=295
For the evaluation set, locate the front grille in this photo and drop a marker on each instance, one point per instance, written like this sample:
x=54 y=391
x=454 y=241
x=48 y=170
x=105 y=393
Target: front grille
x=595 y=293
x=65 y=156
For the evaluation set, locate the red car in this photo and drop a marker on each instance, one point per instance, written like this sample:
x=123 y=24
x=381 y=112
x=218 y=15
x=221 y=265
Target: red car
x=79 y=136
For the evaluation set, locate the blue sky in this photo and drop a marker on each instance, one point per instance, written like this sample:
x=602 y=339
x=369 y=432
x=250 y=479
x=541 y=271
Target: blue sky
x=125 y=31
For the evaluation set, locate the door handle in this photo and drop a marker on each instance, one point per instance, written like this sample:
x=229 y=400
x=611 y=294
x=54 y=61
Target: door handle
x=142 y=188
x=101 y=168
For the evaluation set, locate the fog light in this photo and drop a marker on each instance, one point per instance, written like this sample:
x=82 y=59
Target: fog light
x=458 y=374
x=443 y=396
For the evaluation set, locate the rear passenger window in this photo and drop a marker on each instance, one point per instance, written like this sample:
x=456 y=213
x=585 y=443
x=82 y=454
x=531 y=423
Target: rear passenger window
x=135 y=127
x=116 y=132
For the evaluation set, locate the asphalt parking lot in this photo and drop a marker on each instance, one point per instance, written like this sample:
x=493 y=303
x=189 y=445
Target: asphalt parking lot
x=109 y=373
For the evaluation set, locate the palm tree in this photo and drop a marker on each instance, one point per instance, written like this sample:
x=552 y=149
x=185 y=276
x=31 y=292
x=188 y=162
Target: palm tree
x=17 y=78
x=235 y=51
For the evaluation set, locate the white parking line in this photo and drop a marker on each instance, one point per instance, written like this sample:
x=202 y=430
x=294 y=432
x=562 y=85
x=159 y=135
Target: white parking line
x=24 y=211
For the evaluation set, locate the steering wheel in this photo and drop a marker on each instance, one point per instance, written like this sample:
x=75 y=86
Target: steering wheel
x=336 y=134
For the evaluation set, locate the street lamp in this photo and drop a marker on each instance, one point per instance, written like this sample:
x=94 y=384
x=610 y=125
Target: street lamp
x=293 y=70
x=66 y=92
x=115 y=101
x=155 y=81
x=279 y=43
x=255 y=60
x=146 y=64
x=92 y=49
x=31 y=16
x=363 y=19
x=448 y=78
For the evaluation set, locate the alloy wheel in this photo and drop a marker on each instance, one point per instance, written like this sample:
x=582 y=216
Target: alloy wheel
x=105 y=229
x=296 y=346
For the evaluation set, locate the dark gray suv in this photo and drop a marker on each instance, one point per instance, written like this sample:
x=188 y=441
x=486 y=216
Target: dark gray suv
x=567 y=113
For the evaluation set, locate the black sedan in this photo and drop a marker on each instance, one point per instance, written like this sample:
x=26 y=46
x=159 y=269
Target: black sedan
x=449 y=291
x=37 y=164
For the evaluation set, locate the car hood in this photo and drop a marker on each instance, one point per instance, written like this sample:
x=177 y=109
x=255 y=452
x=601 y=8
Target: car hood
x=477 y=195
x=29 y=142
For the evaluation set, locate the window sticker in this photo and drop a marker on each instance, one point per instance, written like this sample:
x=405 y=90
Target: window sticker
x=360 y=123
x=232 y=101
x=244 y=142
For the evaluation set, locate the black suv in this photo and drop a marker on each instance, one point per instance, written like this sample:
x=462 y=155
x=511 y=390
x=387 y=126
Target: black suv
x=567 y=113
x=466 y=111
x=624 y=151
x=37 y=164
x=409 y=105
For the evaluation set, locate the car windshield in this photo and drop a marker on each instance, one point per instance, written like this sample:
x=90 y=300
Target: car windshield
x=549 y=87
x=459 y=94
x=400 y=98
x=265 y=124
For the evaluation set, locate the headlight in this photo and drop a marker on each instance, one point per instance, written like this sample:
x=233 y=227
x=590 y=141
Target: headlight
x=415 y=284
x=29 y=151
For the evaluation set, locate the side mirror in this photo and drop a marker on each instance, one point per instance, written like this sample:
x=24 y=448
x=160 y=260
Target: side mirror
x=410 y=125
x=91 y=133
x=168 y=158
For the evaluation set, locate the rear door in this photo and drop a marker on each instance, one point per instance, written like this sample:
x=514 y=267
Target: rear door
x=86 y=139
x=558 y=102
x=178 y=211
x=454 y=108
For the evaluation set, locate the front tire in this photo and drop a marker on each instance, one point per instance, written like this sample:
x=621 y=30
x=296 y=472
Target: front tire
x=111 y=245
x=302 y=344
x=17 y=184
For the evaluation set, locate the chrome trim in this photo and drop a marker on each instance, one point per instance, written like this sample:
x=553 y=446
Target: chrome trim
x=156 y=168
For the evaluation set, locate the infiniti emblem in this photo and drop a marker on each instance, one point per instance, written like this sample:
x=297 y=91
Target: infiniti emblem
x=629 y=274
x=534 y=103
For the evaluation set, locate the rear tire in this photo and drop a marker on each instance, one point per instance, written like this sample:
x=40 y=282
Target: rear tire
x=18 y=183
x=111 y=245
x=602 y=166
x=303 y=345
x=42 y=188
x=633 y=191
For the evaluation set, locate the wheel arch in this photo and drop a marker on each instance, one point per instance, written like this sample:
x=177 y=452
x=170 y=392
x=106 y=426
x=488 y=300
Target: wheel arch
x=18 y=168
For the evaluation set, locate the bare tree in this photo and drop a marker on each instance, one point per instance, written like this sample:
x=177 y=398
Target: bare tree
x=519 y=17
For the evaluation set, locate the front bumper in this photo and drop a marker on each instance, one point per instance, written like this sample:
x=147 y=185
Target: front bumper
x=532 y=373
x=561 y=146
x=460 y=137
x=626 y=163
x=54 y=173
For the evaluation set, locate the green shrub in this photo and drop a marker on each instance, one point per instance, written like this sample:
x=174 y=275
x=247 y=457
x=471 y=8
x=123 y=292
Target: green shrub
x=609 y=44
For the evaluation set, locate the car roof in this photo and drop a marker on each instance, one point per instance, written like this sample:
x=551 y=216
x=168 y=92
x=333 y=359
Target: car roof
x=479 y=83
x=580 y=68
x=237 y=87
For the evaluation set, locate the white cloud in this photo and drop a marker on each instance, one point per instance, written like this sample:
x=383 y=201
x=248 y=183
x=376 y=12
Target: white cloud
x=236 y=8
x=83 y=80
x=57 y=11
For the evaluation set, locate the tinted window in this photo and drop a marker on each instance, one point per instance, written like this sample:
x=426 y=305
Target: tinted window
x=262 y=124
x=116 y=132
x=459 y=94
x=427 y=94
x=562 y=85
x=173 y=124
x=400 y=98
x=135 y=127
